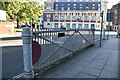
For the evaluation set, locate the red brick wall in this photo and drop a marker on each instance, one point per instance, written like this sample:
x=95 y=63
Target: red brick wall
x=45 y=17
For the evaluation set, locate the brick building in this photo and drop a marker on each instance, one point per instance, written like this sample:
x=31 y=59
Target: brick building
x=116 y=20
x=82 y=14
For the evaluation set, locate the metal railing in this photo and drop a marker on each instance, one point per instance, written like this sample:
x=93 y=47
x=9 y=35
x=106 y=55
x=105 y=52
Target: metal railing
x=56 y=44
x=55 y=48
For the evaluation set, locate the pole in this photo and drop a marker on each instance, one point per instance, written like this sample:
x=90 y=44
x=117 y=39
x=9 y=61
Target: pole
x=27 y=52
x=101 y=28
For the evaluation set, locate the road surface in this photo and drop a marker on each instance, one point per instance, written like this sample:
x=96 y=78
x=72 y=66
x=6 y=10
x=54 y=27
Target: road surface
x=12 y=63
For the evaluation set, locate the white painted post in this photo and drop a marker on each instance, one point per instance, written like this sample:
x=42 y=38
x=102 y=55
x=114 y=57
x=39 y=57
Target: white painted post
x=27 y=52
x=103 y=33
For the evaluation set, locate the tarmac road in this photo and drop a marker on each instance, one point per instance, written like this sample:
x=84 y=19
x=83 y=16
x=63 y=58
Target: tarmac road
x=12 y=61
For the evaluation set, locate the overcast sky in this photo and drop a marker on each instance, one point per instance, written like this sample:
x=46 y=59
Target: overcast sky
x=112 y=2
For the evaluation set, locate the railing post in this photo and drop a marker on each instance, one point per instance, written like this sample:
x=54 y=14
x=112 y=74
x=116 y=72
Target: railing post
x=27 y=52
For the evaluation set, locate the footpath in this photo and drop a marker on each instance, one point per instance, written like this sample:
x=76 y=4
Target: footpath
x=10 y=39
x=95 y=62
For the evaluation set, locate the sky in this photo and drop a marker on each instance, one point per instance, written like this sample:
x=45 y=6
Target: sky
x=111 y=3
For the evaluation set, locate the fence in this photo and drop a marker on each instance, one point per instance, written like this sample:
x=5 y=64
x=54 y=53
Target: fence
x=57 y=44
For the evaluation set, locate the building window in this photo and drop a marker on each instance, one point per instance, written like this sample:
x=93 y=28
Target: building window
x=80 y=26
x=99 y=5
x=87 y=8
x=56 y=5
x=74 y=14
x=56 y=17
x=48 y=20
x=48 y=23
x=62 y=17
x=68 y=16
x=74 y=4
x=93 y=26
x=80 y=4
x=80 y=8
x=68 y=8
x=62 y=4
x=74 y=8
x=86 y=4
x=86 y=26
x=62 y=8
x=93 y=17
x=68 y=4
x=73 y=25
x=48 y=15
x=86 y=17
x=93 y=4
x=67 y=25
x=80 y=16
x=56 y=8
x=56 y=25
x=93 y=8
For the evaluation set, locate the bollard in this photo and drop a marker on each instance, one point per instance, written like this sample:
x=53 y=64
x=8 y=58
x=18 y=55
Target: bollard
x=103 y=34
x=27 y=52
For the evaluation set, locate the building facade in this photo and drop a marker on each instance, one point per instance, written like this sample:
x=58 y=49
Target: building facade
x=82 y=14
x=116 y=19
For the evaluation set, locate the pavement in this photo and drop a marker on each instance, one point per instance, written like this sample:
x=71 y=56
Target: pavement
x=17 y=34
x=95 y=62
x=11 y=39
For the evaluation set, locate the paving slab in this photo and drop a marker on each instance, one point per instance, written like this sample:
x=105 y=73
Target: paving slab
x=107 y=74
x=83 y=75
x=95 y=62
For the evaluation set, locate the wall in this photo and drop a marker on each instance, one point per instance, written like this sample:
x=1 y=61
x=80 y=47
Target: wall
x=6 y=28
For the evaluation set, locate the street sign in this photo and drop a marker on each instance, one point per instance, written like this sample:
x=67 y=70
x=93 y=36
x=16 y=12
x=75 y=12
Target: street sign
x=36 y=52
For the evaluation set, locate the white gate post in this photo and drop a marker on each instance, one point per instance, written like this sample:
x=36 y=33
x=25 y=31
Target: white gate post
x=27 y=52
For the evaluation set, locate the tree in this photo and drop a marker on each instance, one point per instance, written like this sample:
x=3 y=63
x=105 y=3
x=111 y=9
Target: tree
x=22 y=11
